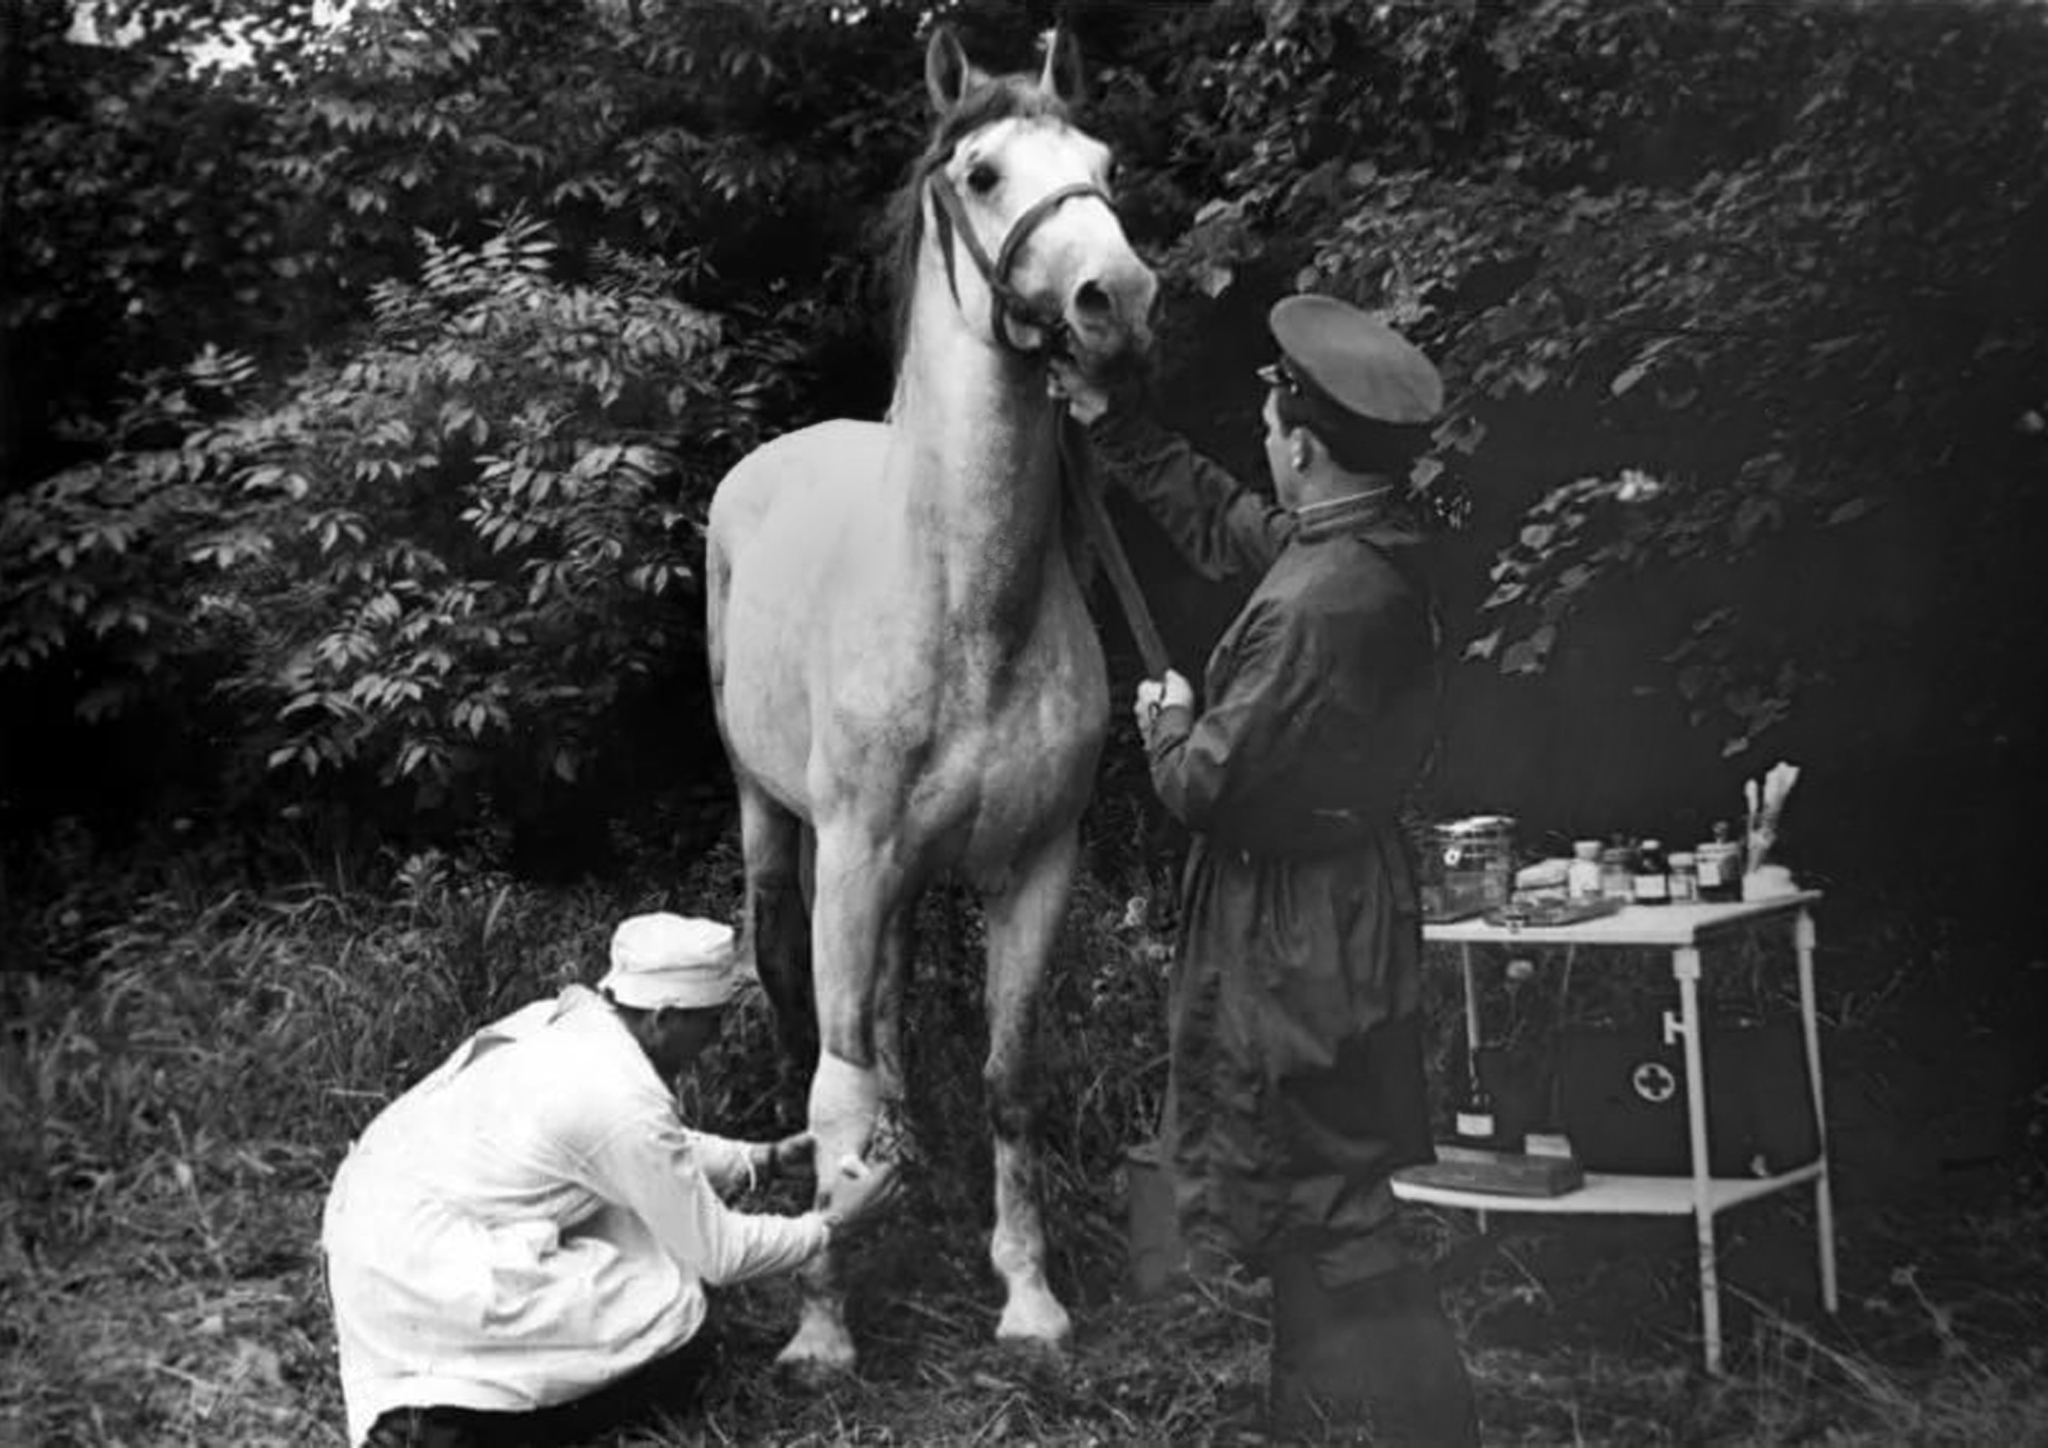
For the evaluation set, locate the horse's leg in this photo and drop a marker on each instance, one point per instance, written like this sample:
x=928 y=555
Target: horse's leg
x=1023 y=924
x=889 y=983
x=853 y=917
x=776 y=920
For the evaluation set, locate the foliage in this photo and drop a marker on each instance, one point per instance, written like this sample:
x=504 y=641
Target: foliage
x=441 y=556
x=1730 y=377
x=160 y=200
x=143 y=219
x=1759 y=325
x=745 y=143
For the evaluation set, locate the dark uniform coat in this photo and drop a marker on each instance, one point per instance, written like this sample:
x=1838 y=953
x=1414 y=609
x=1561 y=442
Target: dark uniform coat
x=1296 y=1079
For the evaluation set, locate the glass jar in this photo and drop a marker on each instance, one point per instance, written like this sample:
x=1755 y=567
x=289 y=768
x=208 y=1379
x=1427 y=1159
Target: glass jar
x=1719 y=862
x=1617 y=873
x=1582 y=876
x=1685 y=877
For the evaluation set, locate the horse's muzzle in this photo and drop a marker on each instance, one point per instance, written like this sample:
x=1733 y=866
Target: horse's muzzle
x=1109 y=317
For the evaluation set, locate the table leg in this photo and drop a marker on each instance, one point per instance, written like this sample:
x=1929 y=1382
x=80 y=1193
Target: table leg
x=1823 y=1193
x=1685 y=967
x=1471 y=1005
x=1472 y=1032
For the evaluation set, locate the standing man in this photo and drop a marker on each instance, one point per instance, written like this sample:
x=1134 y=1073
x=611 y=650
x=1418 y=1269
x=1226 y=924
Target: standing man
x=1297 y=1083
x=518 y=1248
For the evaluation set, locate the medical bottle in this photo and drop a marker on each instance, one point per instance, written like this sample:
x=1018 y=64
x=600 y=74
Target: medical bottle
x=1652 y=881
x=1475 y=1122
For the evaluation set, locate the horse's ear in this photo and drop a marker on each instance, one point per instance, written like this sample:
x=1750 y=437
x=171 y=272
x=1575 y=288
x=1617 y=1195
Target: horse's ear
x=1062 y=73
x=947 y=73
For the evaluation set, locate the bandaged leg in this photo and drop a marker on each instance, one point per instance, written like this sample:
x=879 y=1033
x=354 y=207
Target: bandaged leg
x=845 y=1104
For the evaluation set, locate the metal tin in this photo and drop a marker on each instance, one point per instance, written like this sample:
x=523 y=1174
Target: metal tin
x=1469 y=865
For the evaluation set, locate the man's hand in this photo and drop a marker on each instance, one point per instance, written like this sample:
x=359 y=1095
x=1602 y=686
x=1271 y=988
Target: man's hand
x=858 y=1192
x=791 y=1156
x=1084 y=399
x=1157 y=695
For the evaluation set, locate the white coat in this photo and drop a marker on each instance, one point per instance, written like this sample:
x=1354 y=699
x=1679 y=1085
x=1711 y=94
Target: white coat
x=533 y=1221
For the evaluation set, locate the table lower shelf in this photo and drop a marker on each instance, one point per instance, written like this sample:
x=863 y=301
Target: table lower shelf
x=1611 y=1195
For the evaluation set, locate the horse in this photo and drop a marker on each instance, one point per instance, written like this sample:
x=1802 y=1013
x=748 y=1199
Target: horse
x=907 y=681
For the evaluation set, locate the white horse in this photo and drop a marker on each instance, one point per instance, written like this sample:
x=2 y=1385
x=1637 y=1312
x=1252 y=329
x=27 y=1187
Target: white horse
x=902 y=659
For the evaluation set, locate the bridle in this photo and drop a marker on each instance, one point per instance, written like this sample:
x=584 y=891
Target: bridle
x=1075 y=469
x=1004 y=300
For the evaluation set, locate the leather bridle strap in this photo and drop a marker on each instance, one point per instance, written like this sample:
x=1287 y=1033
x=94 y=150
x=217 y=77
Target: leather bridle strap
x=952 y=217
x=1078 y=473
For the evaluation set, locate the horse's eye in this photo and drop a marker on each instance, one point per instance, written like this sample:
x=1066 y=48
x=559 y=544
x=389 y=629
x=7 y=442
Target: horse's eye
x=982 y=178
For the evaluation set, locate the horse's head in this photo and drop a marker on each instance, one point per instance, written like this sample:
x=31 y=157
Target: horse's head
x=1023 y=196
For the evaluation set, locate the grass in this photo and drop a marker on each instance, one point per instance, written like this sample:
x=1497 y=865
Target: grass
x=186 y=1062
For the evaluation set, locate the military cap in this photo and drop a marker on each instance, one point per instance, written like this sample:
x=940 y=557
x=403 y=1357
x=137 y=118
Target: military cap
x=1359 y=364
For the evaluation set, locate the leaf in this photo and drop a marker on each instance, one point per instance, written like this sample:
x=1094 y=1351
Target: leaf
x=1751 y=515
x=1527 y=655
x=1214 y=279
x=1627 y=378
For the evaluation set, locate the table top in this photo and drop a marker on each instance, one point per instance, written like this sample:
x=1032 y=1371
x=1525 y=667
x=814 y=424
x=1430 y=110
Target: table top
x=1665 y=925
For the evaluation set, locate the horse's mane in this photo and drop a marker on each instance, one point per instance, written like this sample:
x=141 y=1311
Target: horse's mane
x=988 y=99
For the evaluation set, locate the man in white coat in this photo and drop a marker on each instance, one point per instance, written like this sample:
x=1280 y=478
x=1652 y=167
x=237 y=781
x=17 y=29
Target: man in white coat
x=533 y=1223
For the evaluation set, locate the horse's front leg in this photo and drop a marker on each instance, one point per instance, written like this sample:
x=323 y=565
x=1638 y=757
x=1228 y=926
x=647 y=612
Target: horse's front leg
x=855 y=937
x=1023 y=924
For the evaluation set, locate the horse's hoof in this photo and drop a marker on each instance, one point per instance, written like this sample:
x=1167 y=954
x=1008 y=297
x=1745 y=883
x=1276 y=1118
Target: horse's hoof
x=814 y=1365
x=1034 y=1323
x=808 y=1375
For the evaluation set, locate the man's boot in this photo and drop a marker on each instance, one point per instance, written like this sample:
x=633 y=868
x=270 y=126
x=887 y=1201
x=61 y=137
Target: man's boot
x=1372 y=1362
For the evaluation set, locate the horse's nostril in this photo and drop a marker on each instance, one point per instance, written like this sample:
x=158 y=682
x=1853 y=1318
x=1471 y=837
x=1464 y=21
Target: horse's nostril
x=1091 y=300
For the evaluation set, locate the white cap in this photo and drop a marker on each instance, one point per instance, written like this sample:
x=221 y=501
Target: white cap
x=671 y=960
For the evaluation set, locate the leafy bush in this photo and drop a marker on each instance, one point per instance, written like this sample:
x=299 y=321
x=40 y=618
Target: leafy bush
x=440 y=557
x=1750 y=349
x=1738 y=306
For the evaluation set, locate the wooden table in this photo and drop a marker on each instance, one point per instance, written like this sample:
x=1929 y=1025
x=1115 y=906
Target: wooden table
x=1688 y=931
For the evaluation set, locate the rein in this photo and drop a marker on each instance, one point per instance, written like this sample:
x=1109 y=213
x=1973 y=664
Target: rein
x=951 y=216
x=1078 y=474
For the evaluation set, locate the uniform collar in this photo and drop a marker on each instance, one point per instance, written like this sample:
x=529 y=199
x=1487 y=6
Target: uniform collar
x=1373 y=513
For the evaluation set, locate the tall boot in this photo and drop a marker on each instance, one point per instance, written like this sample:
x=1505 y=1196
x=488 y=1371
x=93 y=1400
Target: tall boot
x=1372 y=1362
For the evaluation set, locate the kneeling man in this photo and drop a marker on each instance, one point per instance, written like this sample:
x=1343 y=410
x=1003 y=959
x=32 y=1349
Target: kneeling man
x=533 y=1223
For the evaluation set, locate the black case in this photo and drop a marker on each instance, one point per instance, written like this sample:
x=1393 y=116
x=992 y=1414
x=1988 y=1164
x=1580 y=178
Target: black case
x=1619 y=1093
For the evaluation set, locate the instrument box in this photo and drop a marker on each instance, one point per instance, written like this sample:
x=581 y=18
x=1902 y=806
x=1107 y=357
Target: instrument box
x=1506 y=1173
